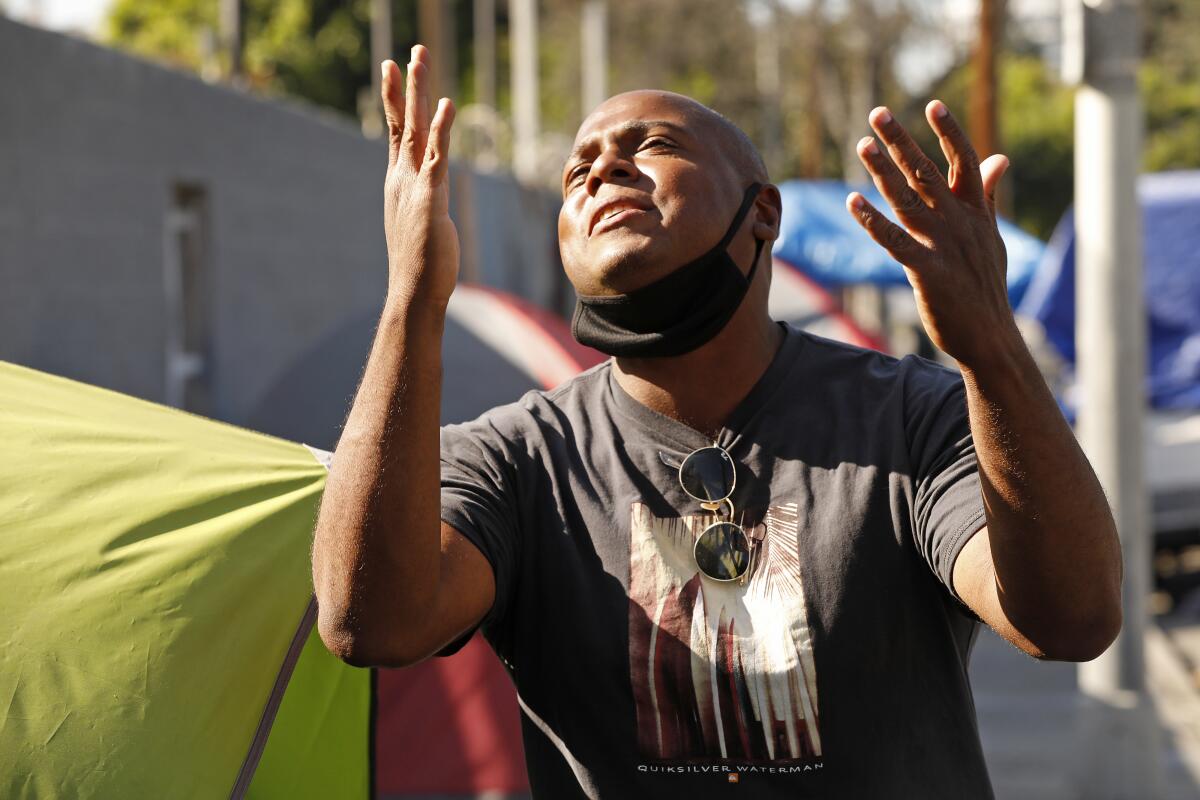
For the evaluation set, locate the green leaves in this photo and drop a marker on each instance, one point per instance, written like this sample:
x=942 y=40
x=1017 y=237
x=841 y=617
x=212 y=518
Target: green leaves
x=315 y=49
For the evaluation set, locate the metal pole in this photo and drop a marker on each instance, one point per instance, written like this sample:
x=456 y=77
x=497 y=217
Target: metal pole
x=594 y=40
x=1120 y=755
x=485 y=52
x=523 y=45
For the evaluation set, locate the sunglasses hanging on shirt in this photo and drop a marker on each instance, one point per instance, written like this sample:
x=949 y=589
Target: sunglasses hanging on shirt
x=723 y=551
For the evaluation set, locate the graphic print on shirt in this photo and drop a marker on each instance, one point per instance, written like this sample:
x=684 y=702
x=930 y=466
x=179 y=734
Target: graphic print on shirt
x=720 y=671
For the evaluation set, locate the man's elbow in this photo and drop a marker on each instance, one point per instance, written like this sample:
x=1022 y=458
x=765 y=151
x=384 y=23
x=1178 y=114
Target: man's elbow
x=344 y=644
x=359 y=647
x=1086 y=640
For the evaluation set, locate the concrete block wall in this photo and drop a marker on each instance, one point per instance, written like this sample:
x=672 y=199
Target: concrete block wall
x=93 y=144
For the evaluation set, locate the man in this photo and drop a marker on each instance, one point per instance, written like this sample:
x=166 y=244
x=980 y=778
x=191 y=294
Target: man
x=735 y=553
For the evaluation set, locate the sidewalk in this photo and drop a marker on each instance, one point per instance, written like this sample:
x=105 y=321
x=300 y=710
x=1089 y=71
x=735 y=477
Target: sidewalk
x=1029 y=711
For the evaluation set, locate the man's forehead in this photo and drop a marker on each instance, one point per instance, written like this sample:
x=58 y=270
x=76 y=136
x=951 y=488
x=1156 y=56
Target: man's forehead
x=633 y=110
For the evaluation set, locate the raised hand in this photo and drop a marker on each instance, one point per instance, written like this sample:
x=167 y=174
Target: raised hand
x=380 y=551
x=422 y=241
x=949 y=244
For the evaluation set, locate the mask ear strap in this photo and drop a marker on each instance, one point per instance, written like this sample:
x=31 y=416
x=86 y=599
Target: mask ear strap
x=747 y=202
x=758 y=246
x=743 y=210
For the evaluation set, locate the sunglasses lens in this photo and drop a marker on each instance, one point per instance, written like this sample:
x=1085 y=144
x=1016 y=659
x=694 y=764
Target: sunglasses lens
x=722 y=551
x=707 y=474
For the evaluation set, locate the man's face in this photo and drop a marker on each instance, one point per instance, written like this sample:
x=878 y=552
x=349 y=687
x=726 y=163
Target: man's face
x=645 y=191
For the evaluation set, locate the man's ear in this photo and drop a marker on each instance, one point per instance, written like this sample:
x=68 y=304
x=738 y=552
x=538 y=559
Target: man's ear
x=768 y=208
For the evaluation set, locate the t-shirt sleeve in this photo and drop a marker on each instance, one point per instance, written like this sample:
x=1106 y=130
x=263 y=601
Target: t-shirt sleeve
x=947 y=501
x=479 y=477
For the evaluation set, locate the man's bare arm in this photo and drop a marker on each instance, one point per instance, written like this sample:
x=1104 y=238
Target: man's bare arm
x=393 y=583
x=1046 y=571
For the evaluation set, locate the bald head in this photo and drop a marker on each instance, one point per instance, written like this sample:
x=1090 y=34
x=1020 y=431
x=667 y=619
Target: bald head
x=653 y=181
x=732 y=141
x=741 y=150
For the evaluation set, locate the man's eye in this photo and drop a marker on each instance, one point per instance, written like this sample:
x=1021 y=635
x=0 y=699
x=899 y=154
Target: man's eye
x=655 y=142
x=577 y=173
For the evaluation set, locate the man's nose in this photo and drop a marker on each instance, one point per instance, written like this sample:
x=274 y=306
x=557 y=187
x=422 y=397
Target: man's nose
x=611 y=166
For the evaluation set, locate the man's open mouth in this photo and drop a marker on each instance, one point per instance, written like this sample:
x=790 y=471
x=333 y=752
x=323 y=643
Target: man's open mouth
x=614 y=215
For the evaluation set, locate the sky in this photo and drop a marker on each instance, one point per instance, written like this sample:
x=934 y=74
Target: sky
x=59 y=15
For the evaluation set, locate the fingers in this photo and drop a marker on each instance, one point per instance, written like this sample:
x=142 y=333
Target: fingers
x=416 y=107
x=393 y=107
x=908 y=205
x=921 y=173
x=424 y=143
x=991 y=171
x=887 y=234
x=964 y=179
x=437 y=158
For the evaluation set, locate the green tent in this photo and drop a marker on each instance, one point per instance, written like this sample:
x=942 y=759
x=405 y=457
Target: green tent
x=157 y=633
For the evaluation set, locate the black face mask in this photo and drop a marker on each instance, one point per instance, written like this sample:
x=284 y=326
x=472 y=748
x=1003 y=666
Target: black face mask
x=676 y=313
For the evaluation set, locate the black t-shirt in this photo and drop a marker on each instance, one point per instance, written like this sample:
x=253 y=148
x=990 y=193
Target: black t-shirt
x=838 y=670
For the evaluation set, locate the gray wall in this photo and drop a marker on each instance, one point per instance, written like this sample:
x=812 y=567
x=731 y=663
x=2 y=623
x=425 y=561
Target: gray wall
x=92 y=145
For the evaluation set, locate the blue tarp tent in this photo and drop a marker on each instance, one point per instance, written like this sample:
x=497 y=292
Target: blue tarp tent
x=1170 y=204
x=819 y=237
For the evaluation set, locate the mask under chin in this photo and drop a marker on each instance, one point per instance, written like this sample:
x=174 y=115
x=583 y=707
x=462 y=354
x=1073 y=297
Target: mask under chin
x=673 y=314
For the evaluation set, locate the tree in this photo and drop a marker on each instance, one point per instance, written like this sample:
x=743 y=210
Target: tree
x=315 y=49
x=318 y=50
x=1037 y=112
x=1170 y=82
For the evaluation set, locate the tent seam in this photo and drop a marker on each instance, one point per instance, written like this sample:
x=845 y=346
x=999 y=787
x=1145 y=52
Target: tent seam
x=259 y=742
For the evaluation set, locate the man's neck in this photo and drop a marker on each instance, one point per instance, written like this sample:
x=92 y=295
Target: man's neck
x=702 y=388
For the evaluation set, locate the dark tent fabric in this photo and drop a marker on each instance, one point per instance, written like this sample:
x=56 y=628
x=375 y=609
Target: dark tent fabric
x=820 y=238
x=495 y=348
x=1170 y=203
